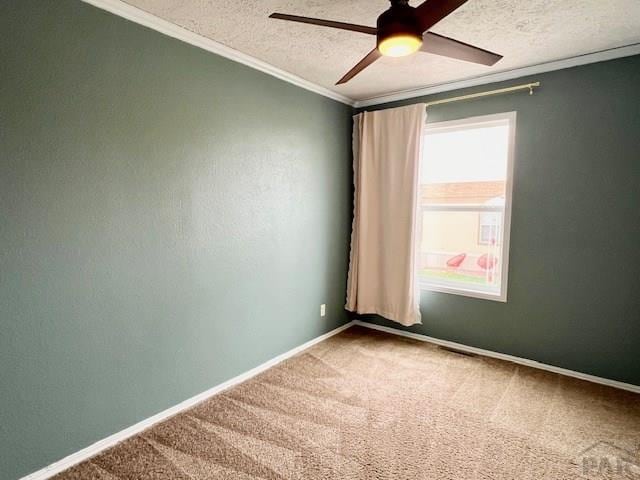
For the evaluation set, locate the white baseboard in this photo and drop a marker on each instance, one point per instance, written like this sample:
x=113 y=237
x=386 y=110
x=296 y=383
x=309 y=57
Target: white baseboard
x=110 y=441
x=503 y=356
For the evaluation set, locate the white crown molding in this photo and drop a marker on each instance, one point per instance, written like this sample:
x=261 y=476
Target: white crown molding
x=146 y=19
x=503 y=356
x=136 y=15
x=110 y=441
x=595 y=57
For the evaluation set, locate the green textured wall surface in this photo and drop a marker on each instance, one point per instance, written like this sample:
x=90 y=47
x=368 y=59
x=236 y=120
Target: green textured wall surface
x=169 y=219
x=574 y=270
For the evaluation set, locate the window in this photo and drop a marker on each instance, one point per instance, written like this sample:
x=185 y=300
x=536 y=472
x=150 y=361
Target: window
x=489 y=228
x=465 y=206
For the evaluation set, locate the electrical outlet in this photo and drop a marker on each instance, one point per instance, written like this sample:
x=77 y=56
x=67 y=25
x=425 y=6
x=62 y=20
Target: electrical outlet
x=323 y=310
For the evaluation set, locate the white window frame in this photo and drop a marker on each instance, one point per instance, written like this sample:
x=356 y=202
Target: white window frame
x=463 y=124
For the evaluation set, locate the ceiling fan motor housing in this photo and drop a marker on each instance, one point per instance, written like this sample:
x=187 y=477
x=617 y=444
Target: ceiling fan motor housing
x=399 y=20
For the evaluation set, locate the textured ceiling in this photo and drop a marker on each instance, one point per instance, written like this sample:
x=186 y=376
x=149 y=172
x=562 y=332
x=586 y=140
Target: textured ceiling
x=526 y=32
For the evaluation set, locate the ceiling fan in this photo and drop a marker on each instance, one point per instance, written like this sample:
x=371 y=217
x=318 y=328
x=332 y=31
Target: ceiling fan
x=402 y=30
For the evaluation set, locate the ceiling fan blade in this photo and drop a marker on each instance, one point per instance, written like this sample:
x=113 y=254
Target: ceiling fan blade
x=432 y=11
x=448 y=47
x=371 y=57
x=326 y=23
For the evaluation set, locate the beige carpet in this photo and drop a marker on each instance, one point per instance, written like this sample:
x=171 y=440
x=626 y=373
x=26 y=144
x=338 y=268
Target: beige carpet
x=367 y=405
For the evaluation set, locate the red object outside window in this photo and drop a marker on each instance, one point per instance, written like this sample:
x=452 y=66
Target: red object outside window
x=487 y=261
x=456 y=261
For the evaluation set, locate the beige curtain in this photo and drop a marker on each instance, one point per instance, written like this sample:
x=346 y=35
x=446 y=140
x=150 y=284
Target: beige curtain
x=386 y=159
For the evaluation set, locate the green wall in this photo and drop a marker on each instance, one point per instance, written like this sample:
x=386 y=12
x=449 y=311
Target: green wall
x=574 y=269
x=169 y=219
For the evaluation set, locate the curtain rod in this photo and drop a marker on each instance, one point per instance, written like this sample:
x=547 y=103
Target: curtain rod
x=517 y=88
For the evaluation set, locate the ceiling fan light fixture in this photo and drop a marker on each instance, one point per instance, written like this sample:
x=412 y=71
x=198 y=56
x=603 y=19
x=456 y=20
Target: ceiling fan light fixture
x=399 y=32
x=400 y=45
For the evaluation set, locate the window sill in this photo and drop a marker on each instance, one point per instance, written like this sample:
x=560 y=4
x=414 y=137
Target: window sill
x=464 y=292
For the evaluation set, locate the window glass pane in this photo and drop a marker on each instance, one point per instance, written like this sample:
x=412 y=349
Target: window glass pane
x=463 y=179
x=451 y=254
x=473 y=154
